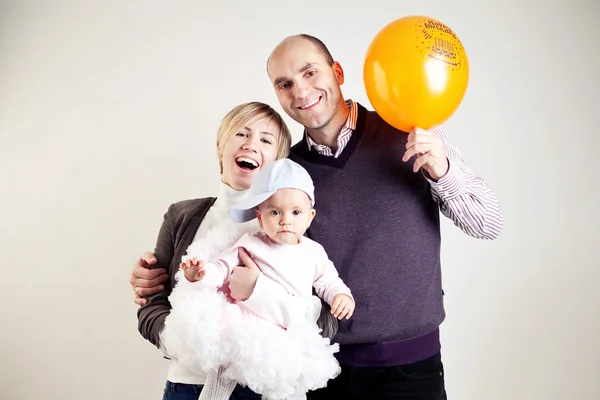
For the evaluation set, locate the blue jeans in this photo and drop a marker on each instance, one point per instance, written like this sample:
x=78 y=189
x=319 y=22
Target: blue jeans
x=422 y=380
x=184 y=391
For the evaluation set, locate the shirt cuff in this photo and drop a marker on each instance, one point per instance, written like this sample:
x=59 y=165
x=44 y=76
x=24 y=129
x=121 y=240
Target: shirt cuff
x=450 y=185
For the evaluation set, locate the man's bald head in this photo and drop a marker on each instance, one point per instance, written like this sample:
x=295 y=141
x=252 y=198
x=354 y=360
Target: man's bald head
x=290 y=41
x=307 y=83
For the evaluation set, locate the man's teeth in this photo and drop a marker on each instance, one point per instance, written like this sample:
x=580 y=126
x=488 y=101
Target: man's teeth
x=312 y=103
x=247 y=160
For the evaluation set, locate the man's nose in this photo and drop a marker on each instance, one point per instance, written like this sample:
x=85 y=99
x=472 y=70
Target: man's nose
x=300 y=91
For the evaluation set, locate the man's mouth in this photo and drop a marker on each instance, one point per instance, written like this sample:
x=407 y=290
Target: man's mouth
x=310 y=104
x=247 y=163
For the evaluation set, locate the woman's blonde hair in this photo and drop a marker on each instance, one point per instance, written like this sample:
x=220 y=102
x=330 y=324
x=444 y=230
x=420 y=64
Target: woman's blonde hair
x=249 y=113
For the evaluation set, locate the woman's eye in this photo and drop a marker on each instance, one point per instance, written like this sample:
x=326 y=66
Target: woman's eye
x=266 y=141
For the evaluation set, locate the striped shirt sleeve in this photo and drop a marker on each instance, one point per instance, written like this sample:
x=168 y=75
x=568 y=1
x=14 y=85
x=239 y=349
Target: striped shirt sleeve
x=464 y=197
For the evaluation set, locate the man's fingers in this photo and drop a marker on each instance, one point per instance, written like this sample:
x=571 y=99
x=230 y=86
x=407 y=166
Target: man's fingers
x=140 y=272
x=416 y=149
x=139 y=300
x=422 y=160
x=154 y=274
x=149 y=291
x=419 y=141
x=147 y=283
x=420 y=136
x=408 y=154
x=147 y=259
x=419 y=132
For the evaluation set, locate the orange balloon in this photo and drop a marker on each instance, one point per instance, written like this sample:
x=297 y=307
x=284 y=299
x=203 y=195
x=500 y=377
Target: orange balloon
x=416 y=73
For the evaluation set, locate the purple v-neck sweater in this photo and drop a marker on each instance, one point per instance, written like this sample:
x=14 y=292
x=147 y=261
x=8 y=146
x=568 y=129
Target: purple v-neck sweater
x=380 y=226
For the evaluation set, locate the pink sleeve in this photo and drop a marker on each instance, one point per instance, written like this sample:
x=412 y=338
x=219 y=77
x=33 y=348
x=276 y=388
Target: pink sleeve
x=219 y=268
x=327 y=282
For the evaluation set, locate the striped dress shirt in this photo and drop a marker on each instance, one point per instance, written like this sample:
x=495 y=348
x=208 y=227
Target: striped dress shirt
x=463 y=196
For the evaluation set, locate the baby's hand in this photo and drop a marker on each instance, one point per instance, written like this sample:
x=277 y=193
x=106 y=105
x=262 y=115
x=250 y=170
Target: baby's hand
x=193 y=269
x=342 y=306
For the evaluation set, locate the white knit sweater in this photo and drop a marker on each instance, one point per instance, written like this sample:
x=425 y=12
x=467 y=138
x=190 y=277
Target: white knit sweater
x=223 y=233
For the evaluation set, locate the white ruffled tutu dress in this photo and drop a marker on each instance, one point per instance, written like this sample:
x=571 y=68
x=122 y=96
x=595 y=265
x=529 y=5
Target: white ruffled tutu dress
x=206 y=331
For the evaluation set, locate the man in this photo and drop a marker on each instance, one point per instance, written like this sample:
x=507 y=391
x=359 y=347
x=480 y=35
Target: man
x=380 y=193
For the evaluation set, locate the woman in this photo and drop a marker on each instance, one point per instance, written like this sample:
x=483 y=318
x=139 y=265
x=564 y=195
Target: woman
x=250 y=136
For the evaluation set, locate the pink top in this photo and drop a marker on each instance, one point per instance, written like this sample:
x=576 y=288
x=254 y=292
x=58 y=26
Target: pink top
x=295 y=268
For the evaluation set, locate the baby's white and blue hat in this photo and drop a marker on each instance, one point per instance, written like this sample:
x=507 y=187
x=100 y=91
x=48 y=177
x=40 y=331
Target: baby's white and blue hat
x=280 y=174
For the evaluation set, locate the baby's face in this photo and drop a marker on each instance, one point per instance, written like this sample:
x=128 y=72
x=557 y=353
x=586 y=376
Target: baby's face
x=286 y=215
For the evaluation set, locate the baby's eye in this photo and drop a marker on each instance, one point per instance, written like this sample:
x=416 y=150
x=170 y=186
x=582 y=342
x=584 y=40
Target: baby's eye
x=274 y=213
x=296 y=212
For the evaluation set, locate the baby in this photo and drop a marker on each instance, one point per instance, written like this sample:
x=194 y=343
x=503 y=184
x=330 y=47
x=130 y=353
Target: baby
x=277 y=353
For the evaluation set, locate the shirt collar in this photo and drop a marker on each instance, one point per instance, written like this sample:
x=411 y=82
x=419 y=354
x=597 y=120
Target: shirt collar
x=349 y=125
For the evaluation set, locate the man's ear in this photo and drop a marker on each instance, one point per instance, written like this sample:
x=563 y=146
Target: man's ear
x=338 y=71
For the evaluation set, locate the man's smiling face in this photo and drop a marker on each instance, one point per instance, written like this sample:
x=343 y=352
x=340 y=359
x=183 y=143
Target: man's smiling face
x=307 y=86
